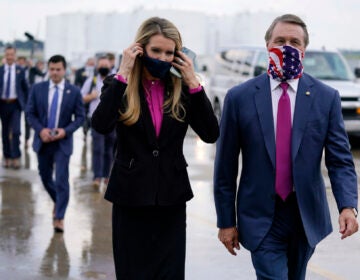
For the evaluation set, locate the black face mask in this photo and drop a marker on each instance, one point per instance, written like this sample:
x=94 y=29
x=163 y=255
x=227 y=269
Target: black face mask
x=157 y=68
x=103 y=71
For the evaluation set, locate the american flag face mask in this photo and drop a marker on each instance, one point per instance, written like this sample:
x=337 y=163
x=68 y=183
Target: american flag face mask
x=285 y=63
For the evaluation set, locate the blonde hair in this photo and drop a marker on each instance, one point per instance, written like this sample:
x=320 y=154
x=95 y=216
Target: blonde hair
x=150 y=27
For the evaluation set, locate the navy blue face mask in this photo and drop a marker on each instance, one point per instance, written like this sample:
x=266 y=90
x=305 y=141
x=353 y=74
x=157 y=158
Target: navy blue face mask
x=157 y=68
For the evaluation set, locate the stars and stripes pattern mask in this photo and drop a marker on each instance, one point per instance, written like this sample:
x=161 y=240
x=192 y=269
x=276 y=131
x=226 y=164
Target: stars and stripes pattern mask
x=285 y=63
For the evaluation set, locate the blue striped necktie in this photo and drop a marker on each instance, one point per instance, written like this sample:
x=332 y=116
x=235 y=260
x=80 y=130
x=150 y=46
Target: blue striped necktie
x=53 y=109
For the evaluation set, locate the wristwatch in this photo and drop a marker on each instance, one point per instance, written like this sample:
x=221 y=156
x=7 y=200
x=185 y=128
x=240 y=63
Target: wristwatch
x=355 y=212
x=352 y=209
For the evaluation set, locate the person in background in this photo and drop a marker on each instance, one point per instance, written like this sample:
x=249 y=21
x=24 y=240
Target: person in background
x=13 y=97
x=26 y=64
x=81 y=75
x=111 y=57
x=37 y=73
x=282 y=122
x=102 y=144
x=84 y=72
x=149 y=186
x=55 y=111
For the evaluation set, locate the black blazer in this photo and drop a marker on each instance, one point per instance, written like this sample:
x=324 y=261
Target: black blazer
x=148 y=170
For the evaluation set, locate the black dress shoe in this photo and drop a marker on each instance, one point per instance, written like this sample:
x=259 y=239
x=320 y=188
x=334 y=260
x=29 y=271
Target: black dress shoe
x=58 y=230
x=59 y=226
x=15 y=163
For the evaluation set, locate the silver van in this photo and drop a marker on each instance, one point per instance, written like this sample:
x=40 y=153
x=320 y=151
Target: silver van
x=236 y=65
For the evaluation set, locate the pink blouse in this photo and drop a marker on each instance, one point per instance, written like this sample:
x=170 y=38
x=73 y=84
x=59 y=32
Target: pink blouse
x=154 y=93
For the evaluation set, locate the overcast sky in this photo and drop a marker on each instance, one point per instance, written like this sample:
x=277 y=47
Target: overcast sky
x=332 y=23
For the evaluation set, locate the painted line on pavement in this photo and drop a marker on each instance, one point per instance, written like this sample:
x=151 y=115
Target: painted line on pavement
x=314 y=268
x=322 y=272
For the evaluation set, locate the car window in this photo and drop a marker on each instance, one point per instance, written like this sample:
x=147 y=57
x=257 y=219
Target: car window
x=261 y=63
x=326 y=66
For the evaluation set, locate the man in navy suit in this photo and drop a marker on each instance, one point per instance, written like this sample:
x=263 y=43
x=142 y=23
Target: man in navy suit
x=282 y=122
x=55 y=110
x=13 y=96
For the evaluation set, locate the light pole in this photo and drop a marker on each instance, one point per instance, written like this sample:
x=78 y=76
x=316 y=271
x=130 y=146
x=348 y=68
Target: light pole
x=31 y=38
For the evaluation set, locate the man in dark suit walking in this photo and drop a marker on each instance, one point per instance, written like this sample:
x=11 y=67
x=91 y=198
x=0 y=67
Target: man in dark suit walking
x=55 y=110
x=14 y=90
x=282 y=122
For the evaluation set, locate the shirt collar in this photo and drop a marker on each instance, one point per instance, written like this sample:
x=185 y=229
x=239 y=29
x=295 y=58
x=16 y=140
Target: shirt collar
x=293 y=84
x=10 y=66
x=60 y=85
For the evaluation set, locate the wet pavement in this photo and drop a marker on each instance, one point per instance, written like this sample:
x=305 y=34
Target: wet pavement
x=29 y=249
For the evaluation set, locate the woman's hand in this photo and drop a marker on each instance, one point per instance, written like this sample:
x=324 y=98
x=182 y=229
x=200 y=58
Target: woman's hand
x=186 y=67
x=128 y=59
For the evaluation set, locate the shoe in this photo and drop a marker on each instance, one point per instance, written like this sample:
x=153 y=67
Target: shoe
x=15 y=163
x=96 y=182
x=106 y=181
x=6 y=163
x=58 y=225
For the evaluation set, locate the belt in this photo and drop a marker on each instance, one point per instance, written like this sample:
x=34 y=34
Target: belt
x=9 y=100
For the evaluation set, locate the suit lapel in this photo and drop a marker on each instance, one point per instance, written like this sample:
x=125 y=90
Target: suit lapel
x=65 y=97
x=65 y=100
x=304 y=99
x=2 y=71
x=18 y=70
x=263 y=104
x=45 y=95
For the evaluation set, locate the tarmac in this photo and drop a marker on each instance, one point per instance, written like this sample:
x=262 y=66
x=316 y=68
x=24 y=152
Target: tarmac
x=29 y=248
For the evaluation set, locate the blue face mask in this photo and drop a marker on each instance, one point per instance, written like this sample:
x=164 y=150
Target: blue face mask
x=157 y=68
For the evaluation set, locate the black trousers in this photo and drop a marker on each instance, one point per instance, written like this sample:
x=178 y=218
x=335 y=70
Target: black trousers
x=149 y=242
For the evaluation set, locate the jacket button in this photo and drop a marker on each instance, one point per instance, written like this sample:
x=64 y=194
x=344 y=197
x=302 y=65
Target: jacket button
x=155 y=153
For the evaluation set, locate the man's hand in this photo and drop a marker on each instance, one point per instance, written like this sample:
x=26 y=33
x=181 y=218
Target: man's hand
x=60 y=134
x=47 y=135
x=229 y=237
x=348 y=223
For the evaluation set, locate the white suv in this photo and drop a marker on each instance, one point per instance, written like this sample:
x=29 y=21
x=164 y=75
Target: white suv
x=236 y=65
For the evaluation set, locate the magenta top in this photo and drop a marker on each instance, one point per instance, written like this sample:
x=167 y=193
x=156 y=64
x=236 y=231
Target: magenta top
x=154 y=93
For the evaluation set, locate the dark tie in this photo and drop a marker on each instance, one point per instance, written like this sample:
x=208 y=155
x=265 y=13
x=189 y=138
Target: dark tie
x=53 y=109
x=283 y=179
x=8 y=84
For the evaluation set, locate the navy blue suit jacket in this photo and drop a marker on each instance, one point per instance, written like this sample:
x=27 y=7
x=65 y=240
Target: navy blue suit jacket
x=247 y=126
x=37 y=113
x=20 y=84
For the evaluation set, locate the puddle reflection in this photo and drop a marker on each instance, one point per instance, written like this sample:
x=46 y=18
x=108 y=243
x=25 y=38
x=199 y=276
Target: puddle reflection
x=56 y=261
x=16 y=216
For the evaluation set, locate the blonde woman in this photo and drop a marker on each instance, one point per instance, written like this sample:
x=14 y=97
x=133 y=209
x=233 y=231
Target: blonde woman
x=149 y=185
